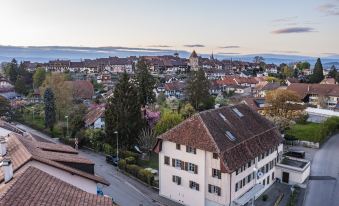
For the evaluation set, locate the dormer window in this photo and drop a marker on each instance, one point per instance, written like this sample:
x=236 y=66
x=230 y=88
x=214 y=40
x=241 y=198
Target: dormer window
x=230 y=136
x=190 y=149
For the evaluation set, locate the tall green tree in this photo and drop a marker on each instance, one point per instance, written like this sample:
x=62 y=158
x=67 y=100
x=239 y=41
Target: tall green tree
x=145 y=83
x=123 y=114
x=20 y=86
x=49 y=102
x=39 y=77
x=11 y=71
x=5 y=109
x=77 y=119
x=318 y=72
x=167 y=121
x=197 y=91
x=333 y=72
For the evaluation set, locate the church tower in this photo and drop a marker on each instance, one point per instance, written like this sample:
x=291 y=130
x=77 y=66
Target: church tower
x=194 y=61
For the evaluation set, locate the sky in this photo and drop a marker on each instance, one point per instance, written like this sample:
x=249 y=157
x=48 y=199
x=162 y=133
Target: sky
x=302 y=27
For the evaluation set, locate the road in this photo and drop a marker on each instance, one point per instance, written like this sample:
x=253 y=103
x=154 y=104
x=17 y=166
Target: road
x=124 y=190
x=323 y=188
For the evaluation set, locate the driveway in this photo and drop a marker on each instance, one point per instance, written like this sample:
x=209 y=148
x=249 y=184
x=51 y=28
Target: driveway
x=124 y=190
x=323 y=188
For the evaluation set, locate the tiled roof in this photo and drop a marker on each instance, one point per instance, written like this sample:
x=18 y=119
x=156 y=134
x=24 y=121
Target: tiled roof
x=94 y=114
x=320 y=89
x=38 y=188
x=252 y=133
x=175 y=86
x=22 y=150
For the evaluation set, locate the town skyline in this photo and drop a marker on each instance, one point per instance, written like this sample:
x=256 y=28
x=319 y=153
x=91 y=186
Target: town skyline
x=295 y=28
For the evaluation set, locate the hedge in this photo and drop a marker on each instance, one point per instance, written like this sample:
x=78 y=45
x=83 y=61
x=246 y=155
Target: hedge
x=137 y=171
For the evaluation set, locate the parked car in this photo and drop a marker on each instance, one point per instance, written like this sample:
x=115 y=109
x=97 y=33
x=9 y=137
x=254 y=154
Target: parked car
x=112 y=160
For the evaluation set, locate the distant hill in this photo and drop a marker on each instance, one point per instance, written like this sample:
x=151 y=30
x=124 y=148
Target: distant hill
x=46 y=53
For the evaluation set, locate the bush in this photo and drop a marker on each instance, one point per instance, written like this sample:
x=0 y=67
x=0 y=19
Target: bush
x=130 y=160
x=133 y=169
x=122 y=164
x=146 y=176
x=264 y=198
x=125 y=154
x=108 y=149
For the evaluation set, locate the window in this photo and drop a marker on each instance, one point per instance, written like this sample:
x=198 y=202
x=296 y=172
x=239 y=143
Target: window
x=191 y=150
x=194 y=185
x=249 y=178
x=268 y=179
x=264 y=182
x=272 y=176
x=215 y=156
x=236 y=187
x=178 y=146
x=192 y=168
x=167 y=160
x=244 y=181
x=214 y=189
x=249 y=164
x=176 y=179
x=216 y=173
x=177 y=163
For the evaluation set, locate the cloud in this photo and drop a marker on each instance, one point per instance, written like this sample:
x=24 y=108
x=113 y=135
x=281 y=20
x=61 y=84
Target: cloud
x=331 y=54
x=227 y=53
x=329 y=9
x=229 y=47
x=160 y=46
x=194 y=45
x=294 y=30
x=286 y=51
x=286 y=19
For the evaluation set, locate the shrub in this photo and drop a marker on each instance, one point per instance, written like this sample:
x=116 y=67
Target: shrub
x=133 y=169
x=122 y=164
x=130 y=160
x=125 y=154
x=108 y=149
x=265 y=198
x=146 y=176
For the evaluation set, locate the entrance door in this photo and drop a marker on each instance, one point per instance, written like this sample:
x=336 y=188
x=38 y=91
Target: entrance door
x=285 y=177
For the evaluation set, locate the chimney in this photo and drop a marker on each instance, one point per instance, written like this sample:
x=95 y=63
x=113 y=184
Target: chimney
x=3 y=146
x=7 y=169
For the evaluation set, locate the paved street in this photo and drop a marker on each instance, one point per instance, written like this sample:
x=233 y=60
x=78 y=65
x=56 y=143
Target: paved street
x=124 y=190
x=323 y=189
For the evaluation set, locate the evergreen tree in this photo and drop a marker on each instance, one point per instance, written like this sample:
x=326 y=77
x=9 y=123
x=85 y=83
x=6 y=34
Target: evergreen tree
x=20 y=86
x=145 y=83
x=39 y=77
x=5 y=109
x=197 y=91
x=123 y=114
x=318 y=74
x=11 y=71
x=333 y=72
x=49 y=108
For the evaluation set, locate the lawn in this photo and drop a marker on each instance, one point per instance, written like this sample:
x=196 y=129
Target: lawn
x=308 y=132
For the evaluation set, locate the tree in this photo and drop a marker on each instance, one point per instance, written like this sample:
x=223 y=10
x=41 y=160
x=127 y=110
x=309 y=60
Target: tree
x=11 y=71
x=187 y=111
x=318 y=73
x=147 y=139
x=123 y=113
x=145 y=84
x=5 y=109
x=198 y=91
x=283 y=103
x=258 y=59
x=168 y=120
x=161 y=99
x=39 y=77
x=49 y=108
x=20 y=86
x=287 y=71
x=77 y=119
x=296 y=73
x=63 y=93
x=333 y=72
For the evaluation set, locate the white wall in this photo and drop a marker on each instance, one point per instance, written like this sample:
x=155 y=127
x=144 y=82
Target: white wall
x=76 y=180
x=295 y=176
x=182 y=193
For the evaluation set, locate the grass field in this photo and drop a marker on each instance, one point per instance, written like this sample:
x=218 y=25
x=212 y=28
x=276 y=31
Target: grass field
x=308 y=132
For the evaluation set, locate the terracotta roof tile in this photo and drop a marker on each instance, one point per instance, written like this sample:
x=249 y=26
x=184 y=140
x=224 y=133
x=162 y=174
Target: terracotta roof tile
x=35 y=187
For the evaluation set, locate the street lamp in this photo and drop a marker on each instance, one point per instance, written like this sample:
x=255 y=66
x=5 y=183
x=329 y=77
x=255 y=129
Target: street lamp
x=116 y=132
x=67 y=124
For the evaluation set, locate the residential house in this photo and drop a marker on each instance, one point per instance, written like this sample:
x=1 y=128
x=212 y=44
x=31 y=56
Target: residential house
x=175 y=89
x=225 y=156
x=269 y=86
x=328 y=81
x=95 y=118
x=319 y=95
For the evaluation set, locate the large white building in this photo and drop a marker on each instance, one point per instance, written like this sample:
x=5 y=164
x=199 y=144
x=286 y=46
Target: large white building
x=225 y=156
